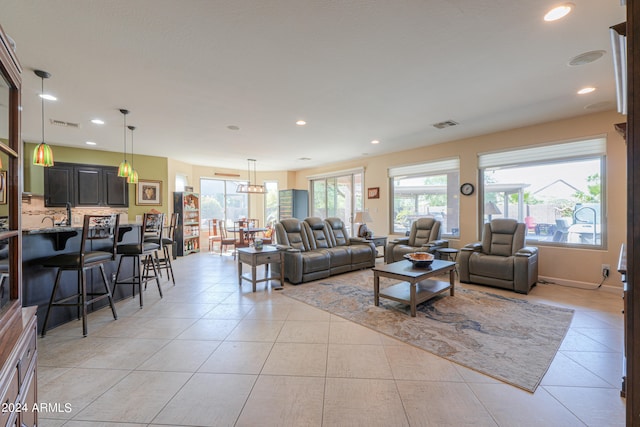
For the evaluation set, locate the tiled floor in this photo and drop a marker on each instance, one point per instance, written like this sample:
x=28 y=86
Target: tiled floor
x=212 y=354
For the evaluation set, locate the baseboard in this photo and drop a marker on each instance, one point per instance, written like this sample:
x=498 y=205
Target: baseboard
x=582 y=285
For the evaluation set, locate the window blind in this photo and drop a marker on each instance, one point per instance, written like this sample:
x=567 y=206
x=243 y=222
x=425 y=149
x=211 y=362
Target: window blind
x=563 y=151
x=441 y=166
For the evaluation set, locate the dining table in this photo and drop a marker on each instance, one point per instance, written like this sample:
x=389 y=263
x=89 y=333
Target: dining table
x=246 y=234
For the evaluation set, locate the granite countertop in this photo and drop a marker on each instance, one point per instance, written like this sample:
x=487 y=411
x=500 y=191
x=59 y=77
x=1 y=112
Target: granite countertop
x=66 y=228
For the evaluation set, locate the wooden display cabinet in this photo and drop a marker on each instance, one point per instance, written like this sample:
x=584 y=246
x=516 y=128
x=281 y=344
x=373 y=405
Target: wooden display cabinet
x=187 y=234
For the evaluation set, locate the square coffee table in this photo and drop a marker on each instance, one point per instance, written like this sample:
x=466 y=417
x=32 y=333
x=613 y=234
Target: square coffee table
x=415 y=286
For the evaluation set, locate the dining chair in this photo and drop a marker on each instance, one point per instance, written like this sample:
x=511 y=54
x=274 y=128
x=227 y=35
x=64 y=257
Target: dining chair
x=214 y=233
x=225 y=240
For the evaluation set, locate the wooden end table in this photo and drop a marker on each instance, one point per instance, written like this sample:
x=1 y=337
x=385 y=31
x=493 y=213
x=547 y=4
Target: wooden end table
x=415 y=286
x=379 y=241
x=253 y=257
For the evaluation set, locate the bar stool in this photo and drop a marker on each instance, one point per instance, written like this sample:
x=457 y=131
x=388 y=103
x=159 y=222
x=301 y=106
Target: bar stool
x=99 y=231
x=143 y=252
x=167 y=242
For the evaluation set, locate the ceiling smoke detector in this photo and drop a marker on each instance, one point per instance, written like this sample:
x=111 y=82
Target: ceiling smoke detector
x=586 y=58
x=64 y=124
x=445 y=124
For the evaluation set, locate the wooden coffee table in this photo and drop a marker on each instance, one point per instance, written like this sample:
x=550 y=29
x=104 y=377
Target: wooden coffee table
x=415 y=286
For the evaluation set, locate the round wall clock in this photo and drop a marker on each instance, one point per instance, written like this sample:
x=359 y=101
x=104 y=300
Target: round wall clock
x=467 y=189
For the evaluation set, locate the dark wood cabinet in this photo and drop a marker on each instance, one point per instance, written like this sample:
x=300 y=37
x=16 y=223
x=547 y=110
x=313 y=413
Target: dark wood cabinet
x=84 y=185
x=58 y=185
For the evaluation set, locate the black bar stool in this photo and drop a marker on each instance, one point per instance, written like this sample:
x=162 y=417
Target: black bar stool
x=98 y=232
x=143 y=252
x=167 y=242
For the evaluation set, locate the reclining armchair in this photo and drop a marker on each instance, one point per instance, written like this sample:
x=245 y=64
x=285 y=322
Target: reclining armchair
x=423 y=237
x=501 y=259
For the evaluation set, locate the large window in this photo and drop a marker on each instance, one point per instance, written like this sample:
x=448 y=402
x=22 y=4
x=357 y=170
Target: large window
x=271 y=203
x=426 y=190
x=338 y=195
x=219 y=200
x=556 y=190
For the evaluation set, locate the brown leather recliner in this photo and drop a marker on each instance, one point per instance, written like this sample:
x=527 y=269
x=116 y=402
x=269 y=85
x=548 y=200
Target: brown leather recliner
x=423 y=237
x=501 y=259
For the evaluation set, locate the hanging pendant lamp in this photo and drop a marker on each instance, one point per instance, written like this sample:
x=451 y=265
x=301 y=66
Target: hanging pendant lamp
x=125 y=168
x=133 y=175
x=252 y=188
x=42 y=155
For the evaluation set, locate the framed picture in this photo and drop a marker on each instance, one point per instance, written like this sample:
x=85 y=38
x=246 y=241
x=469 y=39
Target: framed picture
x=3 y=188
x=373 y=193
x=148 y=192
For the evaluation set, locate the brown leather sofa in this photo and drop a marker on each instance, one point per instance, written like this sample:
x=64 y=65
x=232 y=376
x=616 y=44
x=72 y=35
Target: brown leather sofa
x=316 y=249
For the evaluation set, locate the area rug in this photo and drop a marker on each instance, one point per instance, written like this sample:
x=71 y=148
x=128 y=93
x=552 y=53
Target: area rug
x=509 y=339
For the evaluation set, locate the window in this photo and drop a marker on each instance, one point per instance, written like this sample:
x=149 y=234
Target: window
x=556 y=190
x=426 y=190
x=219 y=200
x=338 y=195
x=271 y=203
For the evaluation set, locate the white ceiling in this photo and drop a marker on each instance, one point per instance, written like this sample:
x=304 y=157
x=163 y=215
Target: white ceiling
x=355 y=70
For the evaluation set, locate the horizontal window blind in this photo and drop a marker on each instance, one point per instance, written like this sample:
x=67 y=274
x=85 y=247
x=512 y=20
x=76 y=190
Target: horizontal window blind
x=564 y=151
x=335 y=174
x=441 y=166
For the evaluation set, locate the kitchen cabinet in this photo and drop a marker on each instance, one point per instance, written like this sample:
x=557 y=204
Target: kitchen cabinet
x=84 y=185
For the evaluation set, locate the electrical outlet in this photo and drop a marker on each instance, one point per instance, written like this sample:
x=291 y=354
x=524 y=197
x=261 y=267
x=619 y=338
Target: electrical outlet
x=606 y=269
x=113 y=277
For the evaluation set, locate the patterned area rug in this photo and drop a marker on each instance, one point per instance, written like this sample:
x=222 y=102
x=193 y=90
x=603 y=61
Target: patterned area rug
x=509 y=339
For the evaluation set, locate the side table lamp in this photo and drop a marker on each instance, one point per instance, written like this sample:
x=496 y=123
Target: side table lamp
x=362 y=217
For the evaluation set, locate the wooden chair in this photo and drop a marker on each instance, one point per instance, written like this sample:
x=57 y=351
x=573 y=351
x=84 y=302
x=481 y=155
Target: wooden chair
x=225 y=240
x=214 y=233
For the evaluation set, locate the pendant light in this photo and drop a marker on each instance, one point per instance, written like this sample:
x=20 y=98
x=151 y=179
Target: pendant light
x=133 y=175
x=252 y=188
x=42 y=155
x=125 y=168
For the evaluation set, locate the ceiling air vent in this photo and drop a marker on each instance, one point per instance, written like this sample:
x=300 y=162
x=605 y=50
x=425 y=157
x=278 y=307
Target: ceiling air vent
x=445 y=124
x=64 y=124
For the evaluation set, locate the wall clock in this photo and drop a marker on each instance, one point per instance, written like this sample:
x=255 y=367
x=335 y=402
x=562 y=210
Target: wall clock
x=467 y=189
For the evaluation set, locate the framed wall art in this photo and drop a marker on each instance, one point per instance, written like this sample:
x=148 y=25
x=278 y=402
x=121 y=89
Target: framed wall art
x=373 y=193
x=149 y=192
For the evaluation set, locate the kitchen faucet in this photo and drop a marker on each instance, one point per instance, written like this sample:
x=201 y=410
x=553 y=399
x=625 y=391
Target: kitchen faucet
x=68 y=222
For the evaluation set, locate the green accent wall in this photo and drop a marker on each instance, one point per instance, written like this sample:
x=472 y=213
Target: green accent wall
x=148 y=167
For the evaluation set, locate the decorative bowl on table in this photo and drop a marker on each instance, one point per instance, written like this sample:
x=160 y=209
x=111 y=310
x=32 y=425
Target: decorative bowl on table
x=420 y=259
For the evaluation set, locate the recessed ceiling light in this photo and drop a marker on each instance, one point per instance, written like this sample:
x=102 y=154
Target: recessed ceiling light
x=233 y=127
x=586 y=90
x=48 y=97
x=301 y=123
x=97 y=122
x=90 y=143
x=559 y=12
x=375 y=141
x=305 y=159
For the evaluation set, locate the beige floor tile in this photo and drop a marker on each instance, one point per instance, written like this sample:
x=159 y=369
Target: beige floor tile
x=607 y=366
x=284 y=401
x=228 y=311
x=442 y=404
x=304 y=331
x=594 y=406
x=99 y=424
x=352 y=333
x=358 y=361
x=301 y=359
x=138 y=398
x=268 y=312
x=137 y=327
x=238 y=357
x=300 y=311
x=122 y=353
x=225 y=394
x=209 y=329
x=410 y=363
x=510 y=406
x=76 y=387
x=177 y=310
x=180 y=356
x=256 y=330
x=363 y=402
x=564 y=371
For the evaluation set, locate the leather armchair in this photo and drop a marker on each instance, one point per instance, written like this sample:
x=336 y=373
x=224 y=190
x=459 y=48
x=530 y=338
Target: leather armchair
x=501 y=259
x=423 y=237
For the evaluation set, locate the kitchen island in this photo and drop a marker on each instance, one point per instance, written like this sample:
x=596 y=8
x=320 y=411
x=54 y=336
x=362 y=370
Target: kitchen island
x=39 y=244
